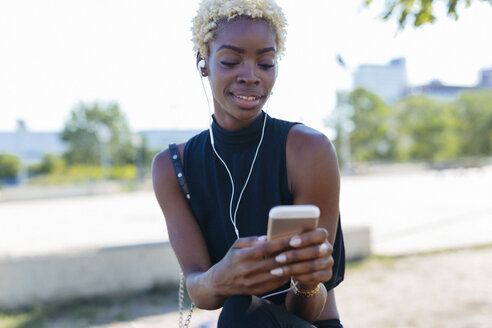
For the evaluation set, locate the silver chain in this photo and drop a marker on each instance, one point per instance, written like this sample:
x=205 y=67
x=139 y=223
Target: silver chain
x=181 y=304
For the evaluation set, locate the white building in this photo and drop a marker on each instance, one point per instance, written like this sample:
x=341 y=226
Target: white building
x=387 y=81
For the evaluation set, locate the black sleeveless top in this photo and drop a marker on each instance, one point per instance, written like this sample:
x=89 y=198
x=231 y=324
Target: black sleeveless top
x=210 y=186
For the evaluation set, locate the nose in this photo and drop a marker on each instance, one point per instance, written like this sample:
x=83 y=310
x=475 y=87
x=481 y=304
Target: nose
x=247 y=75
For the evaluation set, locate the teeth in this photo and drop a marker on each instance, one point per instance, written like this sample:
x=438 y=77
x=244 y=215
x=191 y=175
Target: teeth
x=247 y=98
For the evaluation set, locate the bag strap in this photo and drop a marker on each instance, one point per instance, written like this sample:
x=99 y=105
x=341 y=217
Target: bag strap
x=178 y=169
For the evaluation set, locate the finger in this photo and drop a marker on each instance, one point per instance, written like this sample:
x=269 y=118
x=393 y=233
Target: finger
x=246 y=268
x=303 y=254
x=317 y=236
x=265 y=249
x=322 y=263
x=248 y=242
x=262 y=282
x=314 y=277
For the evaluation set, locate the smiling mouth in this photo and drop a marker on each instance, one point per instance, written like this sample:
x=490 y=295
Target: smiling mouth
x=248 y=98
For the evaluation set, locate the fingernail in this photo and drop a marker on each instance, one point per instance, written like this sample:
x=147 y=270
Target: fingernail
x=295 y=241
x=262 y=238
x=281 y=258
x=277 y=271
x=323 y=249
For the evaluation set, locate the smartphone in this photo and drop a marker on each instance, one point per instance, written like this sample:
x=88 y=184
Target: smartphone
x=288 y=220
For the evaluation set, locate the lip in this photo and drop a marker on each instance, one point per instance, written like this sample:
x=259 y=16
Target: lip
x=241 y=100
x=246 y=99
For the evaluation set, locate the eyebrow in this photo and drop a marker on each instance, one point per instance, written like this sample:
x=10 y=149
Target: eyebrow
x=262 y=51
x=242 y=51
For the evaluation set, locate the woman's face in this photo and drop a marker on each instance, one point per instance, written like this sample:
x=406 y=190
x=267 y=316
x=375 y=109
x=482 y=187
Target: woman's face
x=241 y=68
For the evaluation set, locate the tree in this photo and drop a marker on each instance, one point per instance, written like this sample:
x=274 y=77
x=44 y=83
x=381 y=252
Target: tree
x=97 y=132
x=49 y=164
x=146 y=154
x=475 y=117
x=372 y=138
x=367 y=120
x=427 y=130
x=339 y=121
x=9 y=166
x=422 y=11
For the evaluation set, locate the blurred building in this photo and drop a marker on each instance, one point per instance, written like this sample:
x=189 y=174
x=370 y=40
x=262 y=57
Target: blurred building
x=389 y=81
x=31 y=146
x=439 y=91
x=486 y=78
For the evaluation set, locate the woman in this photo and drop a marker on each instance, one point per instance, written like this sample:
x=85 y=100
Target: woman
x=232 y=174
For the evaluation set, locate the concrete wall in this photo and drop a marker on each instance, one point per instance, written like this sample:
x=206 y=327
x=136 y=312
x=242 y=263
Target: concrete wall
x=34 y=280
x=357 y=242
x=29 y=281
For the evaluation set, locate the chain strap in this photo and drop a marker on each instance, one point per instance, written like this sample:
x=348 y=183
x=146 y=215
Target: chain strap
x=181 y=304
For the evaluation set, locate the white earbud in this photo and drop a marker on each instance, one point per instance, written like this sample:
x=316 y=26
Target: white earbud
x=200 y=66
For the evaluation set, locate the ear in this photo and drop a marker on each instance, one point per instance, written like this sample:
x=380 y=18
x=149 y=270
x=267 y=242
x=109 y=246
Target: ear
x=201 y=64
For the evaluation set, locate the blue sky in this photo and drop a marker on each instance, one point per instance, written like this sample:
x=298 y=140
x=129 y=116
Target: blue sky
x=56 y=53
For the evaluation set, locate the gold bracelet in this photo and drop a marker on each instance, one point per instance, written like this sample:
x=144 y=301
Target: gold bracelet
x=309 y=293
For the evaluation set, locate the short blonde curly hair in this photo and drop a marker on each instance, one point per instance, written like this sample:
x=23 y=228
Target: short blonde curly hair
x=212 y=12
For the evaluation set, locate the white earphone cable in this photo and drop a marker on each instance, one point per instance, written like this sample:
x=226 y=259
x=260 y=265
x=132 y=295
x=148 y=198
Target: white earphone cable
x=233 y=218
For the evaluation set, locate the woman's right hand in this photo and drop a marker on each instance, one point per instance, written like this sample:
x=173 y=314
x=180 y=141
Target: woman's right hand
x=245 y=269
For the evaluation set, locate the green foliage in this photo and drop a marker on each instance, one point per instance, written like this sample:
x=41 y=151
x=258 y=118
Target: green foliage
x=33 y=318
x=427 y=130
x=98 y=133
x=125 y=172
x=421 y=11
x=475 y=116
x=368 y=120
x=144 y=157
x=9 y=166
x=53 y=170
x=372 y=137
x=146 y=154
x=50 y=164
x=84 y=173
x=414 y=129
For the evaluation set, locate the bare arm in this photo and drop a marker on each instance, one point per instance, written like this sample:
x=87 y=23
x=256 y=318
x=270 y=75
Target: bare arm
x=313 y=179
x=184 y=233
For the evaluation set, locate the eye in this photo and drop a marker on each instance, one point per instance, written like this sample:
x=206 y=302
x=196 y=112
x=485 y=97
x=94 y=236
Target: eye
x=228 y=63
x=266 y=66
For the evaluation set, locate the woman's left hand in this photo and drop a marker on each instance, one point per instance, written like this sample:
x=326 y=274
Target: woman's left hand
x=309 y=261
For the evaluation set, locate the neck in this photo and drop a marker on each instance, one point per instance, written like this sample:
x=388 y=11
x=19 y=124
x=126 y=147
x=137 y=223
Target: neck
x=231 y=123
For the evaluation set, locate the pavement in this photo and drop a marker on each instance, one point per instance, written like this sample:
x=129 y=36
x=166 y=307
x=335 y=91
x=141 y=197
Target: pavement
x=421 y=211
x=64 y=225
x=407 y=213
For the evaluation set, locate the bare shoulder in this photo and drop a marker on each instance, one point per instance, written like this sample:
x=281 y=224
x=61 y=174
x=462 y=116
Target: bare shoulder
x=161 y=164
x=312 y=166
x=306 y=144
